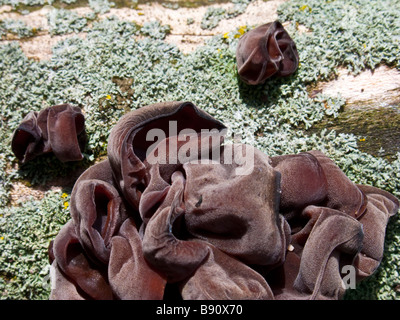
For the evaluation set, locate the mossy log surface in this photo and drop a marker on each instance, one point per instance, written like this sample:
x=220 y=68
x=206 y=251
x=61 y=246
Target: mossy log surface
x=378 y=128
x=371 y=112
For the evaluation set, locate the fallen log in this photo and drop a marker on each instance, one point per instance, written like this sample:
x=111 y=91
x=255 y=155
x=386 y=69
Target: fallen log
x=371 y=112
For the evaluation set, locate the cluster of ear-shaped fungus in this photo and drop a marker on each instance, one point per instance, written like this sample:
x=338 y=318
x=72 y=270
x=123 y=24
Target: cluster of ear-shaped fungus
x=59 y=129
x=177 y=214
x=266 y=51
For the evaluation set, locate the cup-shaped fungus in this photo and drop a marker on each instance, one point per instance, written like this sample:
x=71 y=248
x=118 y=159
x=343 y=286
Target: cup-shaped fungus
x=98 y=253
x=176 y=206
x=59 y=129
x=266 y=51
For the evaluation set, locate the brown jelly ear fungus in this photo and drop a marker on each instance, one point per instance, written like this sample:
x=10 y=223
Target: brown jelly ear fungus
x=175 y=209
x=58 y=129
x=266 y=51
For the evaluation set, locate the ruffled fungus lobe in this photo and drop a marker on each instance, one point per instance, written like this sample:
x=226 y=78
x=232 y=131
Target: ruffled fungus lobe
x=174 y=206
x=99 y=252
x=266 y=51
x=127 y=144
x=59 y=129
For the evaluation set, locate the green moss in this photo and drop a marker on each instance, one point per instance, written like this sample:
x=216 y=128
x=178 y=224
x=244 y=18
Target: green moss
x=358 y=34
x=17 y=28
x=63 y=21
x=155 y=30
x=377 y=129
x=109 y=73
x=100 y=6
x=25 y=234
x=32 y=5
x=214 y=15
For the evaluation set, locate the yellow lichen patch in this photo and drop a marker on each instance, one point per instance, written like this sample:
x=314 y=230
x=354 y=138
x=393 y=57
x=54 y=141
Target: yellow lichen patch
x=305 y=7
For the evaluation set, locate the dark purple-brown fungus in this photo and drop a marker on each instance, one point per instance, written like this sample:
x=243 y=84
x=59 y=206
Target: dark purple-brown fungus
x=59 y=129
x=266 y=51
x=174 y=206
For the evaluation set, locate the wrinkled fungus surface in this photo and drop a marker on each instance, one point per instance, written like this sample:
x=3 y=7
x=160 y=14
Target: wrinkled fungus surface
x=59 y=129
x=266 y=51
x=173 y=206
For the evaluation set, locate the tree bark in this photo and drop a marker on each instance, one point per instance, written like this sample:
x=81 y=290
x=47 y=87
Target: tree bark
x=371 y=112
